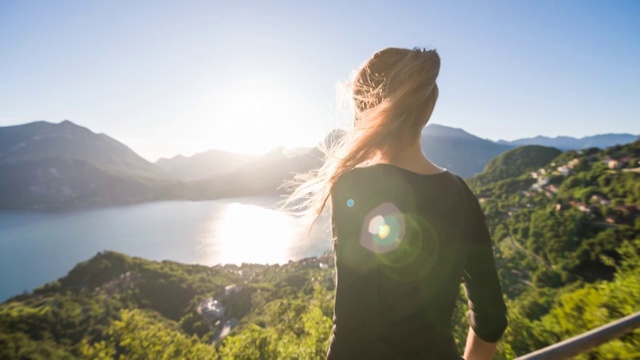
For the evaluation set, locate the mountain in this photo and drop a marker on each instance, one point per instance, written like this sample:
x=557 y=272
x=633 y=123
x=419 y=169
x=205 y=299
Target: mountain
x=454 y=149
x=204 y=165
x=263 y=176
x=457 y=150
x=62 y=166
x=570 y=143
x=43 y=140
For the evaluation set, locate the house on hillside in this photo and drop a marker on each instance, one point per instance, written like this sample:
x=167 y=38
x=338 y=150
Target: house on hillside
x=558 y=207
x=629 y=209
x=211 y=310
x=564 y=170
x=597 y=198
x=584 y=207
x=612 y=219
x=232 y=289
x=573 y=163
x=542 y=181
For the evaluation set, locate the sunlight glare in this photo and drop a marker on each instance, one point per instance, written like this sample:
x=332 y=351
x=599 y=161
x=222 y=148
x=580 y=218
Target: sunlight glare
x=253 y=234
x=253 y=115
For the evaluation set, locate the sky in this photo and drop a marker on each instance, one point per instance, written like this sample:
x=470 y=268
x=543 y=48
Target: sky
x=181 y=77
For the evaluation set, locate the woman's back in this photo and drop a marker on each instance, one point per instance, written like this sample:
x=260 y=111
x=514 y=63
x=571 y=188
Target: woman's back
x=403 y=243
x=404 y=239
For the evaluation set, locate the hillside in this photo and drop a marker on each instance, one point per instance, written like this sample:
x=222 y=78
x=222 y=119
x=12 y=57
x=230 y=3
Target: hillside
x=567 y=243
x=63 y=166
x=580 y=197
x=515 y=162
x=114 y=305
x=63 y=183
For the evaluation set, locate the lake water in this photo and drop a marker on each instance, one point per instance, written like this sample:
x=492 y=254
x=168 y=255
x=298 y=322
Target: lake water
x=36 y=247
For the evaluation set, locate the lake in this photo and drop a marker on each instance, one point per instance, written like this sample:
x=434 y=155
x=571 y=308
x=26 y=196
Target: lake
x=39 y=247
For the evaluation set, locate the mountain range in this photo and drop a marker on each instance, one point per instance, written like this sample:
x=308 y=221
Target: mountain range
x=565 y=143
x=64 y=165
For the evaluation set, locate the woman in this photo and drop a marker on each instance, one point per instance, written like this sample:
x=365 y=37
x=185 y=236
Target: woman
x=406 y=231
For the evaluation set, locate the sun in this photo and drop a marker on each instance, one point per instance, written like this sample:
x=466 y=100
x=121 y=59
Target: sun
x=253 y=114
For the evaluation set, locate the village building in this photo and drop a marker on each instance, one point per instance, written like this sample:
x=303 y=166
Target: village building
x=564 y=170
x=211 y=310
x=232 y=289
x=600 y=199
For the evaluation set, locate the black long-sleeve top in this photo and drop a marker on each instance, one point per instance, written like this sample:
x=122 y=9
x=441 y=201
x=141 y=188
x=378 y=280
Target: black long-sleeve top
x=403 y=243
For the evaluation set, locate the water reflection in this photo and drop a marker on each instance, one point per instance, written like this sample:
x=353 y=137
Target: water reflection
x=252 y=234
x=36 y=248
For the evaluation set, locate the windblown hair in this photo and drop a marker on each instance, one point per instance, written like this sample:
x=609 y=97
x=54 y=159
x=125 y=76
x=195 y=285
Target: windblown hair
x=394 y=94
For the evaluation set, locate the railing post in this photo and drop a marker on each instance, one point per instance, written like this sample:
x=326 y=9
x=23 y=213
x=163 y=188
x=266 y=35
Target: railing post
x=587 y=341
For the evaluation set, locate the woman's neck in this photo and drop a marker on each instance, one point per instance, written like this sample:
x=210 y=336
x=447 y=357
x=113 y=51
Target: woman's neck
x=412 y=158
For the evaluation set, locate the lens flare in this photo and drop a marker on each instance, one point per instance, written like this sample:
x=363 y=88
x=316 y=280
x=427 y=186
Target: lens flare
x=415 y=255
x=403 y=245
x=383 y=229
x=375 y=223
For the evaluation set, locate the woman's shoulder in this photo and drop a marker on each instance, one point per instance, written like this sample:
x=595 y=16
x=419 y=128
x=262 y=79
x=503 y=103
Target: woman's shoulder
x=380 y=171
x=387 y=176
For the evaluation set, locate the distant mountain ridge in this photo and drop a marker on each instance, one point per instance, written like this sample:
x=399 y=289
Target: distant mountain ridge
x=454 y=149
x=570 y=143
x=204 y=165
x=44 y=140
x=61 y=166
x=457 y=150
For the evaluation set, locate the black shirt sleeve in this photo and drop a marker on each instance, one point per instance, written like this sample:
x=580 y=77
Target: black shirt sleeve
x=487 y=310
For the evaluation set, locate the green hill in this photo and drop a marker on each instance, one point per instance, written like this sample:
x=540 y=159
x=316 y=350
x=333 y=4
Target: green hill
x=515 y=162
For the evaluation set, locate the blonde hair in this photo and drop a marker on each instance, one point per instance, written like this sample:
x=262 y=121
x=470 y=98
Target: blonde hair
x=394 y=94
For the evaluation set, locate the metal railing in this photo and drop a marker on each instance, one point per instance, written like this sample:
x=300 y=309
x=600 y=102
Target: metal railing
x=587 y=341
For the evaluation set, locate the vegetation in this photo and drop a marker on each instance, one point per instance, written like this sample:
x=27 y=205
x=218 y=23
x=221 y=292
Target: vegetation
x=567 y=241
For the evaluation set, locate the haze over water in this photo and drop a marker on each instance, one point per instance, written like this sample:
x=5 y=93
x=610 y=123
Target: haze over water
x=36 y=248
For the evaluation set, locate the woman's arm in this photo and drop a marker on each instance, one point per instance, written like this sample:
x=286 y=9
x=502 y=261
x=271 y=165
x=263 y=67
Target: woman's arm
x=487 y=310
x=478 y=349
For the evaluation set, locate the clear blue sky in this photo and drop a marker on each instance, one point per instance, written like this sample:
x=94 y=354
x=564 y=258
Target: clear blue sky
x=169 y=77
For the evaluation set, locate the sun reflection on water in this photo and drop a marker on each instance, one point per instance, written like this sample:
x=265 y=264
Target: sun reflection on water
x=252 y=234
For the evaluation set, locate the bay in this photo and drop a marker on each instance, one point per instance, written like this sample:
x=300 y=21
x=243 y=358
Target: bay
x=38 y=247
